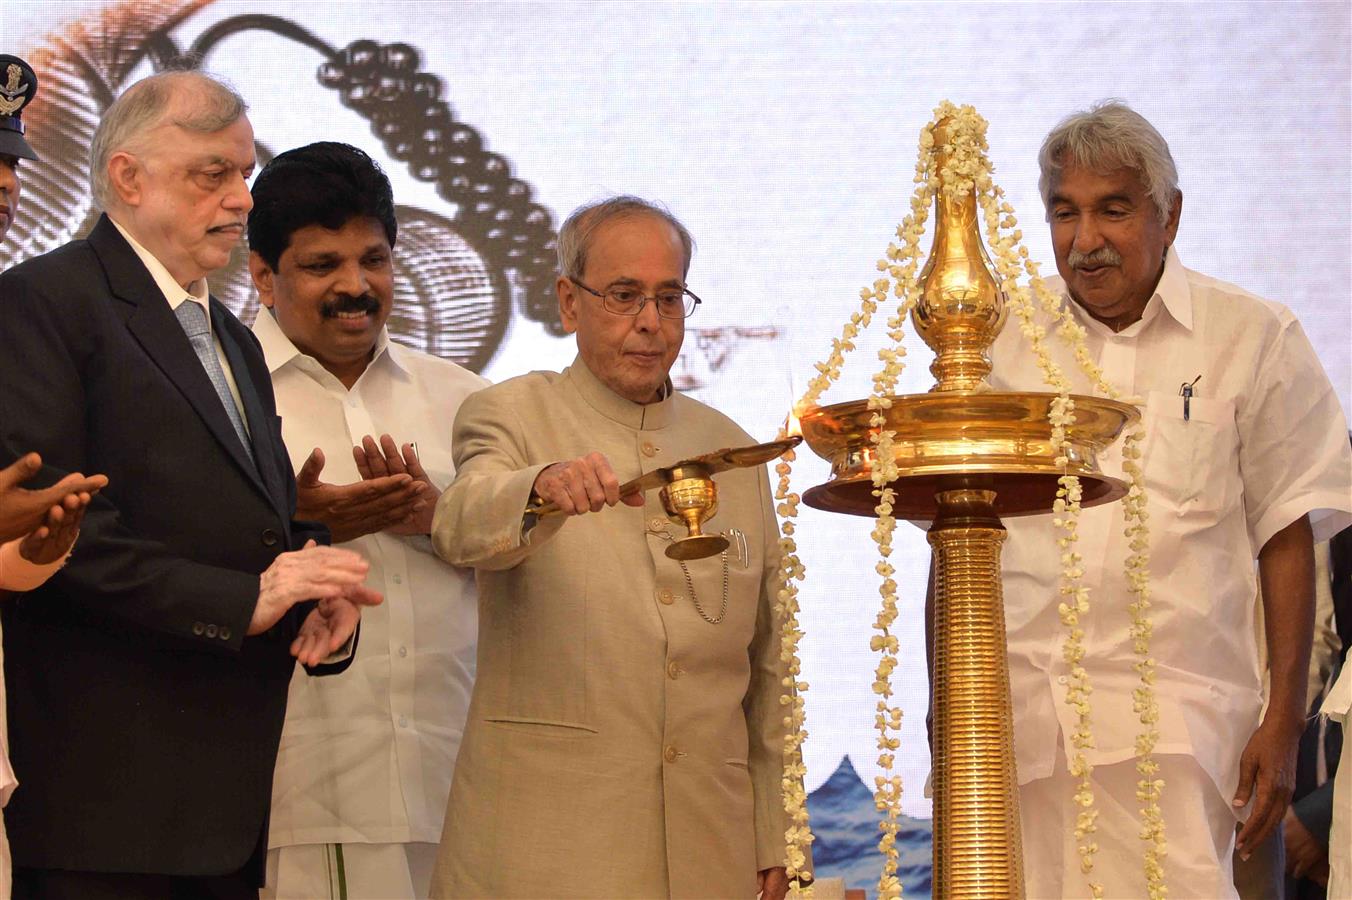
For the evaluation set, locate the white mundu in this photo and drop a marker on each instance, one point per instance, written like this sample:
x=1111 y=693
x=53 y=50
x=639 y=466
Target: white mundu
x=367 y=756
x=1261 y=443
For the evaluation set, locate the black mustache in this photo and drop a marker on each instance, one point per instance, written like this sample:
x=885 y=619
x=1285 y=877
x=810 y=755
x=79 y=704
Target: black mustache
x=364 y=303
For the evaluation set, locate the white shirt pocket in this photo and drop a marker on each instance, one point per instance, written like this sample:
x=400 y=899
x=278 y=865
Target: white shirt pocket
x=1190 y=462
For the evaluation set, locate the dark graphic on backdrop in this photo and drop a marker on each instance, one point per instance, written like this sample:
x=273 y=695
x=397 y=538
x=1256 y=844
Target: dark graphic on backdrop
x=461 y=272
x=459 y=275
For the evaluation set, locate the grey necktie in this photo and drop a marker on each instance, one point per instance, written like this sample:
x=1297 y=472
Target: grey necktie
x=194 y=321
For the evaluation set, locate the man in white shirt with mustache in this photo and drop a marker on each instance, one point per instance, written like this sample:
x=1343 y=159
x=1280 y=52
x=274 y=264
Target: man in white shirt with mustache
x=1244 y=460
x=367 y=757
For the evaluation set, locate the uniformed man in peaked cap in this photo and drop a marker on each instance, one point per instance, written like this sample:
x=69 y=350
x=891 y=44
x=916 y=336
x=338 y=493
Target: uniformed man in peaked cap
x=18 y=87
x=27 y=559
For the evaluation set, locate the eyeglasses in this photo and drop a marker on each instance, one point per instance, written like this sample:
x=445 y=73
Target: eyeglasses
x=622 y=300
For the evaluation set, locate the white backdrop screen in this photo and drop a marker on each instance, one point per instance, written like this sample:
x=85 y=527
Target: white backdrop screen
x=784 y=135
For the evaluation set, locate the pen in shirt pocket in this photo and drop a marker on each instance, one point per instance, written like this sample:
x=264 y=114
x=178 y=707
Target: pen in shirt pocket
x=1185 y=391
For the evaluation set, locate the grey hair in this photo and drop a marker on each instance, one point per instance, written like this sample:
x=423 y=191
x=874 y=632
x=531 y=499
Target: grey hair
x=144 y=106
x=576 y=233
x=1108 y=136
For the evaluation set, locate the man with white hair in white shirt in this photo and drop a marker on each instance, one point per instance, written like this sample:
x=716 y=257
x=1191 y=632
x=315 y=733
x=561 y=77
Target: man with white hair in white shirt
x=366 y=761
x=1244 y=460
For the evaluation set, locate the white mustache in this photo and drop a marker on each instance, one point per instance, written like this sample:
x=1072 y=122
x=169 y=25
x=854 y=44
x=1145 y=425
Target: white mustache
x=1103 y=256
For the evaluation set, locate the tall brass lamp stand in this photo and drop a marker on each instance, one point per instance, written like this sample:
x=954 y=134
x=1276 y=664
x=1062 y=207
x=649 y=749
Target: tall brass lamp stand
x=967 y=456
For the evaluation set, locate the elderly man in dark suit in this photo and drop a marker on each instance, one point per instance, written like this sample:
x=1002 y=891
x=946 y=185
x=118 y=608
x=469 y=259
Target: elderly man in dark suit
x=148 y=679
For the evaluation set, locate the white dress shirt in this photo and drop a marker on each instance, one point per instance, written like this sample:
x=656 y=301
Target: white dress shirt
x=367 y=755
x=1265 y=442
x=177 y=295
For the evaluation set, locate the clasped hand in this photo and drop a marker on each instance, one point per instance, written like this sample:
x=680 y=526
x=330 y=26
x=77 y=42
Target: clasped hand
x=333 y=576
x=47 y=519
x=585 y=484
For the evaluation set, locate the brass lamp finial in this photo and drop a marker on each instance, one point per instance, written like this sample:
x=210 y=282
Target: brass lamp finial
x=961 y=308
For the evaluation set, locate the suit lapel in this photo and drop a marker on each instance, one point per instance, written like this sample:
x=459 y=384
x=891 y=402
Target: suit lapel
x=261 y=425
x=153 y=324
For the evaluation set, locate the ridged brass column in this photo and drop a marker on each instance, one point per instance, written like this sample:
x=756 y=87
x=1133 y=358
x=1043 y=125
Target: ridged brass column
x=977 y=845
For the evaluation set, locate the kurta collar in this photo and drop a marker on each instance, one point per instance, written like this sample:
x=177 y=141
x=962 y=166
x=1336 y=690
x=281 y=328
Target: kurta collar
x=278 y=349
x=1171 y=296
x=172 y=290
x=640 y=416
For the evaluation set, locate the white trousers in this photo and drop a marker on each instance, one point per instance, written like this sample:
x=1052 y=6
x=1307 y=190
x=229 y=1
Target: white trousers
x=1199 y=827
x=349 y=872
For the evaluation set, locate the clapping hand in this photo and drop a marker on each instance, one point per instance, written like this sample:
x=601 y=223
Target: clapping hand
x=333 y=576
x=363 y=507
x=53 y=539
x=386 y=459
x=47 y=516
x=329 y=625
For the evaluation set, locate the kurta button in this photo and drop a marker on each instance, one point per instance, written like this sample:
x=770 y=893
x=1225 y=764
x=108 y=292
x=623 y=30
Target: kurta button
x=403 y=721
x=666 y=596
x=198 y=628
x=211 y=631
x=657 y=523
x=674 y=669
x=269 y=537
x=403 y=651
x=398 y=579
x=648 y=449
x=1061 y=680
x=670 y=754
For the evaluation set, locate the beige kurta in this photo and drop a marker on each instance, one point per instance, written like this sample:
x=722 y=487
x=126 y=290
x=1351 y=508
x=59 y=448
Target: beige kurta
x=618 y=744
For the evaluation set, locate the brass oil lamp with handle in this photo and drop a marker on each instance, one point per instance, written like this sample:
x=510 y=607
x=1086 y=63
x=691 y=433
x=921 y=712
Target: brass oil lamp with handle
x=689 y=494
x=966 y=456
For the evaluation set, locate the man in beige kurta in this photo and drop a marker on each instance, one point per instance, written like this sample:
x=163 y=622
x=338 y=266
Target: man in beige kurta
x=625 y=735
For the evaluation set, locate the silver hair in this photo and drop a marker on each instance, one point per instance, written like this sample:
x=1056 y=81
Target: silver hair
x=144 y=106
x=575 y=235
x=1108 y=136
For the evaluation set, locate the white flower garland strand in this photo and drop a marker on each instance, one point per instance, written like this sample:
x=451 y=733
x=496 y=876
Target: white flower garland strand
x=1065 y=517
x=798 y=836
x=901 y=265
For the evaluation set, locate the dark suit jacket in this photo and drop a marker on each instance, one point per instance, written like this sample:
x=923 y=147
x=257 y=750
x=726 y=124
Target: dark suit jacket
x=143 y=723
